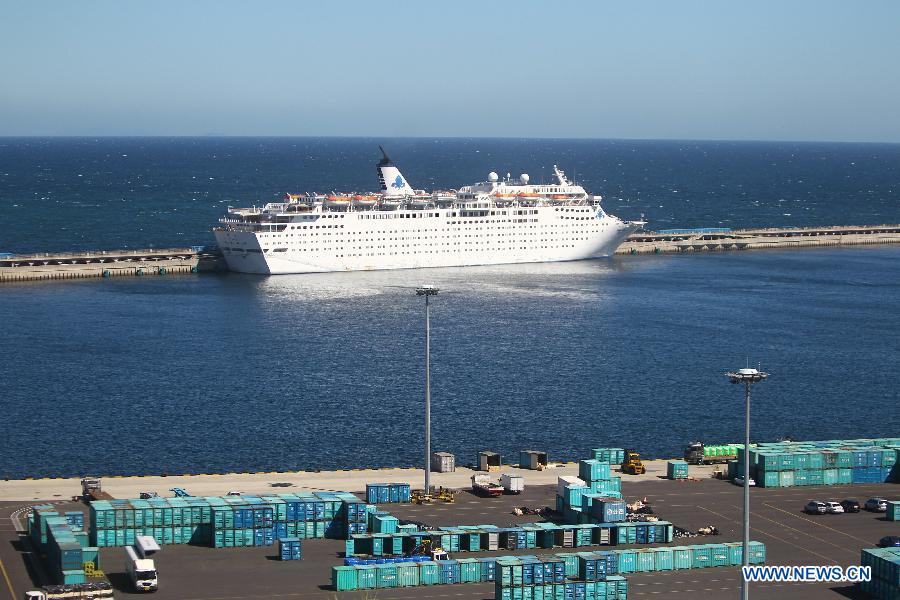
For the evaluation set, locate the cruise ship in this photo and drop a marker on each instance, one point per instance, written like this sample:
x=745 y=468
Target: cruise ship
x=498 y=221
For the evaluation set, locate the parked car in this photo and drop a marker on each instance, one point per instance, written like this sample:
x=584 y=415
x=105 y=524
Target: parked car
x=740 y=481
x=814 y=507
x=889 y=541
x=834 y=508
x=876 y=505
x=850 y=505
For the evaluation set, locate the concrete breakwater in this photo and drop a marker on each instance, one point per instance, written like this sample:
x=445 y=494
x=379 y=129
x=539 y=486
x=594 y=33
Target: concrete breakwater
x=200 y=259
x=110 y=263
x=722 y=239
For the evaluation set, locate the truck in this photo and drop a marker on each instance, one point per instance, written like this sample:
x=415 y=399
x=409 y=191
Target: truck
x=141 y=571
x=483 y=486
x=512 y=483
x=91 y=490
x=696 y=453
x=97 y=591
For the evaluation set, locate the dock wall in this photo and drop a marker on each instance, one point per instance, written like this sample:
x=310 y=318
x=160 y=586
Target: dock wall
x=685 y=241
x=199 y=259
x=112 y=263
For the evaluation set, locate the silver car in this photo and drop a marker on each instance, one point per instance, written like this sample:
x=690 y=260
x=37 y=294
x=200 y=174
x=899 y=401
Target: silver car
x=876 y=505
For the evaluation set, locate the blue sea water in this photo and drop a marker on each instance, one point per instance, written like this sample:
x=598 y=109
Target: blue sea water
x=85 y=193
x=232 y=372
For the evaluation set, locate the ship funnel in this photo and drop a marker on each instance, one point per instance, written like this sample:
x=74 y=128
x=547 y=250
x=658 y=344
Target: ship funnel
x=392 y=181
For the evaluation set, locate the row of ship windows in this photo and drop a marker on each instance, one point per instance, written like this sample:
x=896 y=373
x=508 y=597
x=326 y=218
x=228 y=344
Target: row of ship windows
x=329 y=248
x=432 y=251
x=425 y=230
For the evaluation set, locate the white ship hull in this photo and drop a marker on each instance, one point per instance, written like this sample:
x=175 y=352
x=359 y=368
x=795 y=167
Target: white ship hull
x=415 y=239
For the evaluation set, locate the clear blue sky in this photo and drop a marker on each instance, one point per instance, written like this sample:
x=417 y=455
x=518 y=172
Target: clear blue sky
x=775 y=70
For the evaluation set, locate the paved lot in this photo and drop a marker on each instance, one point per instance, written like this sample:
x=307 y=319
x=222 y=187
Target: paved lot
x=260 y=483
x=790 y=536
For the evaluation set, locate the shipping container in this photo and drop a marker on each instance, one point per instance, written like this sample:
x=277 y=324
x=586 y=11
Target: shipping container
x=676 y=469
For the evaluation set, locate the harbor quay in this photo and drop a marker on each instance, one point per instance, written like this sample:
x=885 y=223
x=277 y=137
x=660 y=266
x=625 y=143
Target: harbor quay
x=353 y=480
x=716 y=239
x=208 y=259
x=189 y=572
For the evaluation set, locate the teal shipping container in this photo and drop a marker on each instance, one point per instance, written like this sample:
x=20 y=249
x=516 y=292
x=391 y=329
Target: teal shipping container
x=768 y=479
x=663 y=559
x=735 y=553
x=469 y=570
x=701 y=556
x=676 y=469
x=719 y=556
x=893 y=510
x=627 y=561
x=407 y=574
x=644 y=561
x=343 y=579
x=845 y=476
x=757 y=553
x=386 y=576
x=682 y=558
x=366 y=577
x=593 y=470
x=429 y=573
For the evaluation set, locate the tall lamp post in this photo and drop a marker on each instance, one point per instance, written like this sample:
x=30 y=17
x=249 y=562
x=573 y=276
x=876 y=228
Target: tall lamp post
x=427 y=291
x=748 y=377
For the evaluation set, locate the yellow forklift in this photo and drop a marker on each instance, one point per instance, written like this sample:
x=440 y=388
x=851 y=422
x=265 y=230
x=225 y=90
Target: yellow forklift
x=632 y=463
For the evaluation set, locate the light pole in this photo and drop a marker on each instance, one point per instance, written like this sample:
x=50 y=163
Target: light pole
x=427 y=291
x=748 y=377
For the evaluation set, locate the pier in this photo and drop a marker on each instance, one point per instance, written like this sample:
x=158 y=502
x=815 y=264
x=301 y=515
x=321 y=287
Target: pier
x=723 y=239
x=204 y=259
x=110 y=263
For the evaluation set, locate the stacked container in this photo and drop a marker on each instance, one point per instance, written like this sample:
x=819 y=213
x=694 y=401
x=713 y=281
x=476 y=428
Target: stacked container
x=63 y=542
x=575 y=495
x=386 y=493
x=230 y=521
x=829 y=462
x=614 y=456
x=528 y=571
x=885 y=564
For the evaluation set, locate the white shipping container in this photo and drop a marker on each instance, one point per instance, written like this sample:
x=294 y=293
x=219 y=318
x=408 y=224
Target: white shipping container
x=512 y=483
x=566 y=481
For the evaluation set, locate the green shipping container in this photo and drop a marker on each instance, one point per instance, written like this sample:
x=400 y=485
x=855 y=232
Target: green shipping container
x=786 y=479
x=343 y=578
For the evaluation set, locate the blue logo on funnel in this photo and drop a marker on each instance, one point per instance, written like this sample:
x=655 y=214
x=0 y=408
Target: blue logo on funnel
x=398 y=183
